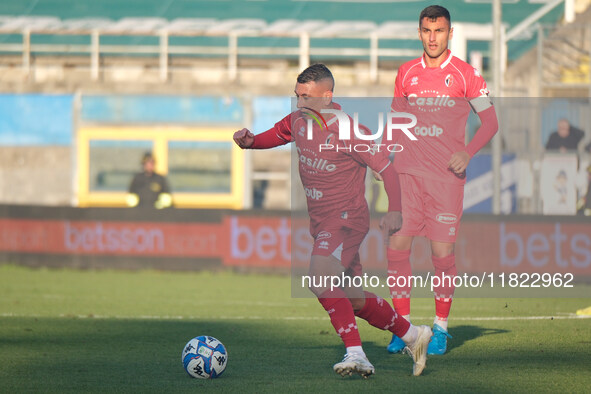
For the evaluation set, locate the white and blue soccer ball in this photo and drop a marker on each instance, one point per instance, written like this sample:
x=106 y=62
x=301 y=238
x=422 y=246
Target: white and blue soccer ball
x=204 y=357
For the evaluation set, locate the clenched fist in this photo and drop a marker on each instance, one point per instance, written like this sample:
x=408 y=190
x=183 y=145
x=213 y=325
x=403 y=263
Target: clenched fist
x=244 y=138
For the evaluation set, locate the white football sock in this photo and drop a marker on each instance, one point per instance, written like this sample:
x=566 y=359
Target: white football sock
x=441 y=322
x=411 y=335
x=356 y=349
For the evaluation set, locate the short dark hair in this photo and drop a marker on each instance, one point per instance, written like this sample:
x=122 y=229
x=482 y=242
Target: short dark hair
x=148 y=156
x=433 y=12
x=314 y=73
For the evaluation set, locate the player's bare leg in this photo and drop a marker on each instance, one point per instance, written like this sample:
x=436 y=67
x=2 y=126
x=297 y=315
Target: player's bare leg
x=342 y=317
x=445 y=268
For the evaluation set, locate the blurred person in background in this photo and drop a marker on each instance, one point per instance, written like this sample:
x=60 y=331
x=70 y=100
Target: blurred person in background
x=565 y=138
x=584 y=203
x=149 y=189
x=259 y=191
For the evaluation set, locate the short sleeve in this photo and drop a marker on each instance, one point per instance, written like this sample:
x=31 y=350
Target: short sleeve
x=283 y=128
x=399 y=94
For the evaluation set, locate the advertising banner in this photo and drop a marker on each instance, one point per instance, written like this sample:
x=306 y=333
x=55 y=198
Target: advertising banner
x=511 y=244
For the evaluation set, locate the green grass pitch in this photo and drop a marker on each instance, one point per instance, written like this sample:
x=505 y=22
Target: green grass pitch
x=68 y=331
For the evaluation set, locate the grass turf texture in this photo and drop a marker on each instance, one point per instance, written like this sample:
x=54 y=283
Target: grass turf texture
x=86 y=331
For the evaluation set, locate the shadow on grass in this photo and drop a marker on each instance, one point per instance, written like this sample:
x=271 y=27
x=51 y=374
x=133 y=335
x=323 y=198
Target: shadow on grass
x=463 y=334
x=63 y=355
x=402 y=364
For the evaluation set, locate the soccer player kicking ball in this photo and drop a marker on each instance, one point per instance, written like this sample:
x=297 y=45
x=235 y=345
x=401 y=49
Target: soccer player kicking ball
x=334 y=181
x=440 y=90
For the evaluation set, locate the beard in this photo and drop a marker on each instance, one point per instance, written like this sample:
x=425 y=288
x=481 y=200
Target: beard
x=434 y=53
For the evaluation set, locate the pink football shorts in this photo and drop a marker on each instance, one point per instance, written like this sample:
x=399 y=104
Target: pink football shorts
x=430 y=208
x=343 y=243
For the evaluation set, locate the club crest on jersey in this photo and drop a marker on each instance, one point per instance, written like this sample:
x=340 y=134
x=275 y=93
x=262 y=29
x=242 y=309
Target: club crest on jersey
x=449 y=80
x=414 y=81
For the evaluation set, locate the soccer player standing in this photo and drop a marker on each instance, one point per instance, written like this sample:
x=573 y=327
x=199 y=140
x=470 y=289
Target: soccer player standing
x=333 y=176
x=440 y=90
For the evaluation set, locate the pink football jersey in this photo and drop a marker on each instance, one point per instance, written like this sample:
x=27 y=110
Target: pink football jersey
x=441 y=98
x=332 y=170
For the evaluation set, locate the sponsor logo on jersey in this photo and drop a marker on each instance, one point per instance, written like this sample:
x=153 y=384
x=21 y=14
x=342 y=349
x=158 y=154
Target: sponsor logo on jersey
x=316 y=163
x=323 y=235
x=449 y=80
x=438 y=101
x=446 y=218
x=452 y=231
x=484 y=92
x=414 y=81
x=323 y=245
x=314 y=194
x=431 y=131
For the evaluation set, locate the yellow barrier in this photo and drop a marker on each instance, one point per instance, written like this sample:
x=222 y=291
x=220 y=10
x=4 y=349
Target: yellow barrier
x=159 y=138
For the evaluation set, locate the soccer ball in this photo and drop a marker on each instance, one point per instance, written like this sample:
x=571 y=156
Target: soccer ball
x=204 y=357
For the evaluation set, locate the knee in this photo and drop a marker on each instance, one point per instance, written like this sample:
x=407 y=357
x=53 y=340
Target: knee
x=442 y=250
x=357 y=303
x=444 y=263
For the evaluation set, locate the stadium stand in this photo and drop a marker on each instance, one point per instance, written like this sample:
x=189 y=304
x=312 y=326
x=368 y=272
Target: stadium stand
x=247 y=52
x=180 y=45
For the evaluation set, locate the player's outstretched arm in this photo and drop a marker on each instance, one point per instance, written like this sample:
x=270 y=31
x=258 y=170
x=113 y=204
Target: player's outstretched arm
x=280 y=134
x=244 y=138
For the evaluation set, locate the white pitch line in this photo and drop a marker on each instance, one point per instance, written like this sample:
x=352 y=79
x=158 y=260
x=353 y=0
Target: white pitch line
x=501 y=318
x=570 y=316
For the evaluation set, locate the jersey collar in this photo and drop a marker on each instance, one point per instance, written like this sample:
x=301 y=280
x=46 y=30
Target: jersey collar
x=445 y=62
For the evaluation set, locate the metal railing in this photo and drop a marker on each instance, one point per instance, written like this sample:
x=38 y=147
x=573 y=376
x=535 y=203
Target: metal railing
x=18 y=36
